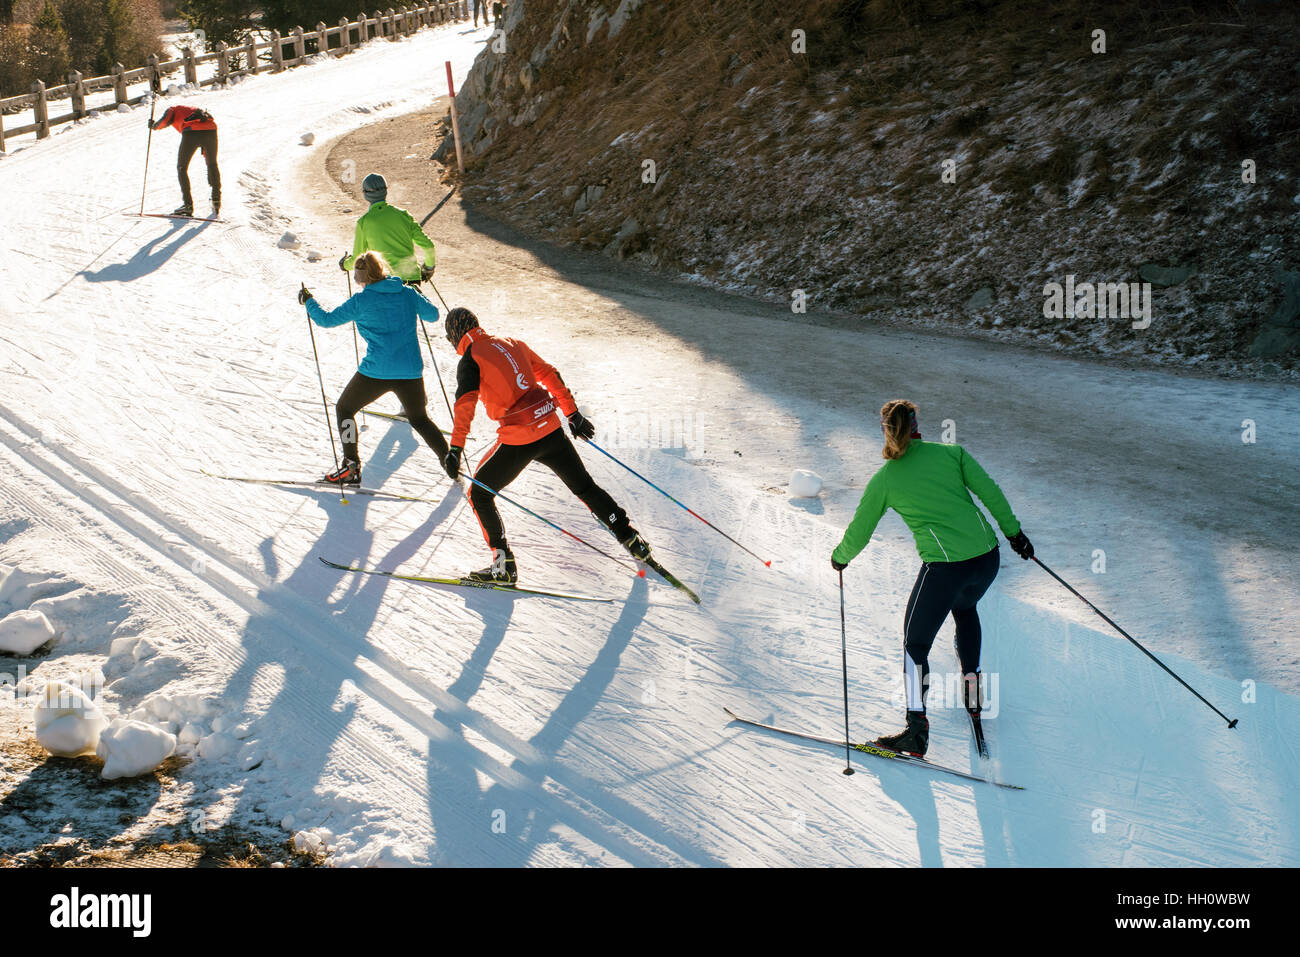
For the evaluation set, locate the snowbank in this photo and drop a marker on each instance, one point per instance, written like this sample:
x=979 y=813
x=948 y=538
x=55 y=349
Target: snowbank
x=130 y=748
x=68 y=722
x=22 y=632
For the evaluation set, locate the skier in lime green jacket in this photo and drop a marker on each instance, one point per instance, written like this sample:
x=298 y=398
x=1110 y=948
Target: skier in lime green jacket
x=927 y=484
x=394 y=234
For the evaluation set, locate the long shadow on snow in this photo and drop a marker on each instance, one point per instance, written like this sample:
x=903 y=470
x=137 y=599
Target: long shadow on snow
x=344 y=539
x=147 y=258
x=528 y=828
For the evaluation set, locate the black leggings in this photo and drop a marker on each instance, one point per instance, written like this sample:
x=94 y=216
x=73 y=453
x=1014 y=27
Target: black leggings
x=502 y=465
x=363 y=390
x=942 y=588
x=192 y=140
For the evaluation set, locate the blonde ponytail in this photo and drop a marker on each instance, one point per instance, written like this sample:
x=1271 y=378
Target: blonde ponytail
x=897 y=420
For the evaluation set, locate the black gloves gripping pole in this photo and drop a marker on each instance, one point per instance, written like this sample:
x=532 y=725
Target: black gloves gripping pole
x=581 y=426
x=1021 y=545
x=304 y=294
x=451 y=463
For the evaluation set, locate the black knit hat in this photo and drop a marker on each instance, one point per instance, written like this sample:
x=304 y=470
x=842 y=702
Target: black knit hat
x=459 y=321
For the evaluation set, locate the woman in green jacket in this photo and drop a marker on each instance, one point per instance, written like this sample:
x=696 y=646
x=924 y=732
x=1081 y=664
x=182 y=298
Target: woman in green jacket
x=926 y=483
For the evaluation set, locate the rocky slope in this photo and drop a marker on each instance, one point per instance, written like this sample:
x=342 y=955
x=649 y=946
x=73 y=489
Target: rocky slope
x=933 y=163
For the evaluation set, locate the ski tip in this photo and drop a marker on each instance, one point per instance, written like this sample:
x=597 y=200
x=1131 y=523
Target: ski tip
x=768 y=563
x=1232 y=723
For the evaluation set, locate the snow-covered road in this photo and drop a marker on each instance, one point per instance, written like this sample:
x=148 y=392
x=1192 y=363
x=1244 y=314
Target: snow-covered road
x=433 y=726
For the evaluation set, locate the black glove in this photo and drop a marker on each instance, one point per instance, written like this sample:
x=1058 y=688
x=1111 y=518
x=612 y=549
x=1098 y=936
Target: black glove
x=343 y=261
x=150 y=122
x=452 y=462
x=303 y=295
x=426 y=273
x=581 y=426
x=1021 y=545
x=839 y=566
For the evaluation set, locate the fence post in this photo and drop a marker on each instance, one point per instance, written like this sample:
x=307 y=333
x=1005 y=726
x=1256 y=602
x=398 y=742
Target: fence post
x=250 y=54
x=277 y=51
x=2 y=132
x=345 y=35
x=299 y=44
x=322 y=38
x=40 y=110
x=223 y=63
x=119 y=83
x=191 y=67
x=392 y=24
x=77 y=89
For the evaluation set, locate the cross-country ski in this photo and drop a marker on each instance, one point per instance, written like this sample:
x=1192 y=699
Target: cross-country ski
x=515 y=589
x=874 y=751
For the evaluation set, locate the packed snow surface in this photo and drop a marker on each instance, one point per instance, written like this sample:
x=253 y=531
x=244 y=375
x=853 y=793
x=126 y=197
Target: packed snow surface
x=380 y=722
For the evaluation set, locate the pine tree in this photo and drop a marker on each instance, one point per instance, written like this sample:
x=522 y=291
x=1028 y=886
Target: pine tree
x=47 y=48
x=229 y=21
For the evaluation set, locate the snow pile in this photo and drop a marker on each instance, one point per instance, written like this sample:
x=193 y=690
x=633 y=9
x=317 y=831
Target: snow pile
x=315 y=841
x=308 y=139
x=289 y=241
x=68 y=722
x=130 y=748
x=805 y=484
x=22 y=632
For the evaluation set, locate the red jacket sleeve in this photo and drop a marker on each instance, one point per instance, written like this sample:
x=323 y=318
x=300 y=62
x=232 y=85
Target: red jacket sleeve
x=549 y=379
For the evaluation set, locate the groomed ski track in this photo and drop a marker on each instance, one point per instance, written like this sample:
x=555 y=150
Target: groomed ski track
x=470 y=729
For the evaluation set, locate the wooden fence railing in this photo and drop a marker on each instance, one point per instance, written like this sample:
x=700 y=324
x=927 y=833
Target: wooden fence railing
x=245 y=59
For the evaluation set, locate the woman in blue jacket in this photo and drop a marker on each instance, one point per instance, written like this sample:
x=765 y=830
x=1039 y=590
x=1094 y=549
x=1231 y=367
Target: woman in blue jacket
x=386 y=312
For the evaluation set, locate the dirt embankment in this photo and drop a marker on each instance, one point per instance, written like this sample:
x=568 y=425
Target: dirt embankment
x=936 y=163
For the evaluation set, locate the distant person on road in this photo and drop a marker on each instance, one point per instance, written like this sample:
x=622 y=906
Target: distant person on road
x=386 y=313
x=394 y=234
x=498 y=11
x=198 y=132
x=927 y=484
x=522 y=393
x=480 y=4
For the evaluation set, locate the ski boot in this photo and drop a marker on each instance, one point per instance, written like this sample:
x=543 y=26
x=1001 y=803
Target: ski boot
x=912 y=741
x=636 y=546
x=502 y=571
x=216 y=207
x=347 y=475
x=184 y=209
x=972 y=697
x=972 y=693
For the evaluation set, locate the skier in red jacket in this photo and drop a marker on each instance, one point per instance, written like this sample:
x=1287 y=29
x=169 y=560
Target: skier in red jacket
x=521 y=392
x=198 y=132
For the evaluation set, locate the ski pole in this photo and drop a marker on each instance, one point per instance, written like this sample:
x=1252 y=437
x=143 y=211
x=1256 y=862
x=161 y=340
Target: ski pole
x=1232 y=722
x=439 y=295
x=639 y=571
x=325 y=402
x=844 y=662
x=766 y=562
x=153 y=104
x=434 y=362
x=356 y=347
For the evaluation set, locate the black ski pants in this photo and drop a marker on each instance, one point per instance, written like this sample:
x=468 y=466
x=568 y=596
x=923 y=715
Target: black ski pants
x=502 y=465
x=944 y=588
x=191 y=140
x=363 y=390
